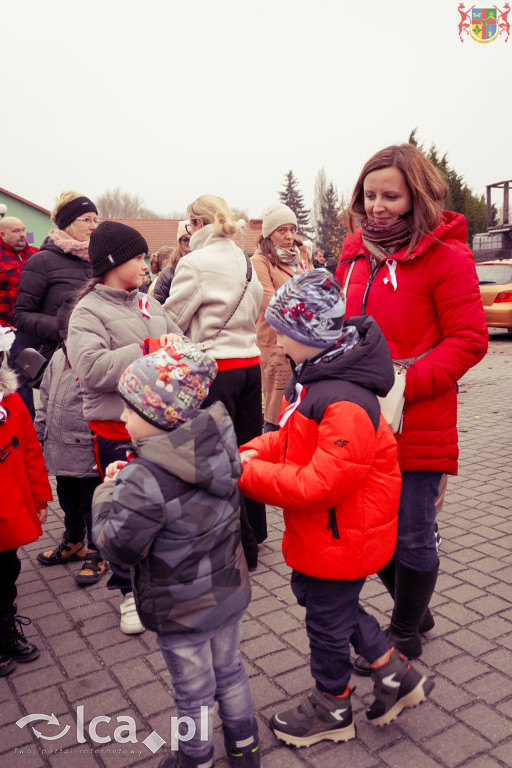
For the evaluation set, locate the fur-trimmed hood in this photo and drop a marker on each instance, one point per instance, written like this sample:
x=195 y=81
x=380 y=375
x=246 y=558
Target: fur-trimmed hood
x=8 y=381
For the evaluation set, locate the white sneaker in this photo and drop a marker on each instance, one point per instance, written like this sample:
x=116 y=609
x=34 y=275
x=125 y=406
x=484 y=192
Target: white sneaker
x=130 y=622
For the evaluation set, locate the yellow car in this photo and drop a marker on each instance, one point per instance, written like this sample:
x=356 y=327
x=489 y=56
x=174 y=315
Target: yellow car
x=495 y=279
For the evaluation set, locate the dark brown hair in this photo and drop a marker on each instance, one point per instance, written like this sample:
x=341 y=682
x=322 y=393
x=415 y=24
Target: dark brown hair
x=427 y=188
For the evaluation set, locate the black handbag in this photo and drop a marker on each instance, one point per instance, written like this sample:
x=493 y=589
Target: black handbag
x=32 y=365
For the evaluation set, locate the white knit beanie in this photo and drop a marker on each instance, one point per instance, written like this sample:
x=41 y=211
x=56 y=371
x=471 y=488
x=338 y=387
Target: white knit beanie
x=182 y=229
x=275 y=216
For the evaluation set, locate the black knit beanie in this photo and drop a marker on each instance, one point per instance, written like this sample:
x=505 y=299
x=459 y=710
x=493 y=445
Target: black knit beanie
x=72 y=210
x=113 y=243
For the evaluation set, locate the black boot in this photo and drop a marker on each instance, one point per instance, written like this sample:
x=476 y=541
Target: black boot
x=7 y=665
x=413 y=590
x=13 y=642
x=387 y=576
x=242 y=749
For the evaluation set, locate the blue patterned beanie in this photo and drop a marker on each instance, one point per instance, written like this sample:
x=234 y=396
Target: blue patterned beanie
x=309 y=308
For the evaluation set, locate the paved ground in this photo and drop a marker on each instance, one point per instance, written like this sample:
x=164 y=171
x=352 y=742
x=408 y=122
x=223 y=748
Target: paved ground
x=87 y=662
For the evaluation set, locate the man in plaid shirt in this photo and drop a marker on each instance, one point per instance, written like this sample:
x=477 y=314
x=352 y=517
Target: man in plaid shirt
x=14 y=252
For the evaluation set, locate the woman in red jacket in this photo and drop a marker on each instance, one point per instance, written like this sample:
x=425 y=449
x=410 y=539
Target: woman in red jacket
x=414 y=274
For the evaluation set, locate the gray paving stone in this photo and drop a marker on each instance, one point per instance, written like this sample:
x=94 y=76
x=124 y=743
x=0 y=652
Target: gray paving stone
x=492 y=688
x=470 y=641
x=483 y=719
x=462 y=669
x=404 y=755
x=455 y=745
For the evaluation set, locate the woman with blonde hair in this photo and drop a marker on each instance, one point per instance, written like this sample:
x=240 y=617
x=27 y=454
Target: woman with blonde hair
x=215 y=298
x=280 y=255
x=408 y=265
x=164 y=280
x=58 y=270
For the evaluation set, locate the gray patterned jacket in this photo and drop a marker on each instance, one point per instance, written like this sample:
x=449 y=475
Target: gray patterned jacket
x=173 y=516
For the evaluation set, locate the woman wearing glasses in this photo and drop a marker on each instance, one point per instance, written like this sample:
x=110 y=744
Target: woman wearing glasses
x=164 y=279
x=60 y=269
x=215 y=298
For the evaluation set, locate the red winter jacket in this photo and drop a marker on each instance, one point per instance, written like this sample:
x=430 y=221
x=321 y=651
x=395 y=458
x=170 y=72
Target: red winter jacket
x=436 y=305
x=23 y=475
x=333 y=465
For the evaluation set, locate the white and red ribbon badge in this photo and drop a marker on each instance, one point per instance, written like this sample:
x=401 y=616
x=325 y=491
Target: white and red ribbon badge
x=391 y=276
x=144 y=306
x=301 y=392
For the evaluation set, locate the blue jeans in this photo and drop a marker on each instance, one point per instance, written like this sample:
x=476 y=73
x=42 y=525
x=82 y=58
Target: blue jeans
x=416 y=541
x=206 y=667
x=334 y=620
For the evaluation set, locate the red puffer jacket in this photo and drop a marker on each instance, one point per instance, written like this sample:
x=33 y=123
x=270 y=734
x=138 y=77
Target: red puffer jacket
x=23 y=475
x=436 y=305
x=333 y=465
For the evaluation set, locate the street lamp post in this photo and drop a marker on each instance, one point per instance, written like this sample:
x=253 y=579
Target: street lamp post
x=241 y=224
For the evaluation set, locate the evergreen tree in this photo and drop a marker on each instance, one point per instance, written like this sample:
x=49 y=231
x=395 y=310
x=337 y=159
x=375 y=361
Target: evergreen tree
x=318 y=200
x=294 y=199
x=331 y=232
x=460 y=197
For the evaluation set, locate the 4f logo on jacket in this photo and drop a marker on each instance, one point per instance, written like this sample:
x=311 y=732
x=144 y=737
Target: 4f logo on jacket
x=341 y=443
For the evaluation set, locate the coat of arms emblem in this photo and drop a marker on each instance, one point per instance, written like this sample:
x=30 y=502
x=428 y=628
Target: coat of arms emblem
x=484 y=24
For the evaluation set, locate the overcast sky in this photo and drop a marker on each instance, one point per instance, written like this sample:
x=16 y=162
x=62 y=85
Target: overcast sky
x=170 y=99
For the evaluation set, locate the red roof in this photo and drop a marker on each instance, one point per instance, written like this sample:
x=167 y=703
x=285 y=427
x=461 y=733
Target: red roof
x=22 y=200
x=159 y=232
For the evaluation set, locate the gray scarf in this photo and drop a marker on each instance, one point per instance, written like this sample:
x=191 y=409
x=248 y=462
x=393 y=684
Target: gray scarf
x=289 y=257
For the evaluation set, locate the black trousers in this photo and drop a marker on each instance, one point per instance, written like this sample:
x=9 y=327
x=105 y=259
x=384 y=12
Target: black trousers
x=240 y=391
x=10 y=568
x=107 y=451
x=75 y=499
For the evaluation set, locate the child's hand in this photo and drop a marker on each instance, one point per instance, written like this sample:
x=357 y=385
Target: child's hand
x=42 y=515
x=113 y=469
x=248 y=455
x=168 y=338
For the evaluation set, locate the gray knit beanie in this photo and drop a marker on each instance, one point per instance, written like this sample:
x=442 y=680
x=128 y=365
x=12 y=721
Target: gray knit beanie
x=113 y=243
x=275 y=216
x=309 y=308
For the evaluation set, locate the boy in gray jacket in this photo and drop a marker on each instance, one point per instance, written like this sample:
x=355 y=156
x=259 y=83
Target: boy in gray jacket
x=172 y=515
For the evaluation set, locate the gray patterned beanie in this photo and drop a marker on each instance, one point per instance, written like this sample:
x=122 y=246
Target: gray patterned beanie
x=167 y=387
x=309 y=308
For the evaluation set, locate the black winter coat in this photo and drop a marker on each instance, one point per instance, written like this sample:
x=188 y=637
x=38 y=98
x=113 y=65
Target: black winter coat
x=47 y=279
x=163 y=284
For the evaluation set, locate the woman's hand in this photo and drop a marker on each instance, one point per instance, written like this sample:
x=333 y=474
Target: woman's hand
x=42 y=515
x=168 y=338
x=248 y=455
x=113 y=469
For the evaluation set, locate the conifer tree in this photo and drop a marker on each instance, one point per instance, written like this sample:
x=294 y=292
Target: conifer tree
x=460 y=197
x=330 y=228
x=294 y=199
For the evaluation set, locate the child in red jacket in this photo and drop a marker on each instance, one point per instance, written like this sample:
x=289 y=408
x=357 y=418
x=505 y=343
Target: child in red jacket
x=25 y=494
x=333 y=467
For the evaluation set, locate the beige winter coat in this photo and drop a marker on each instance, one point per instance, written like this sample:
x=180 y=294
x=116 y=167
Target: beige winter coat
x=206 y=287
x=275 y=368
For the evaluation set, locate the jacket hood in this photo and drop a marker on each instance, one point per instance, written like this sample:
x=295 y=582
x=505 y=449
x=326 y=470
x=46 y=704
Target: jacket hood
x=368 y=364
x=202 y=451
x=453 y=227
x=8 y=380
x=204 y=237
